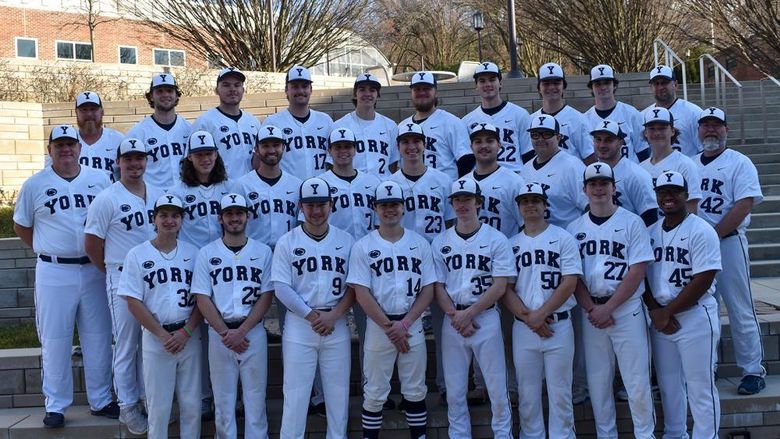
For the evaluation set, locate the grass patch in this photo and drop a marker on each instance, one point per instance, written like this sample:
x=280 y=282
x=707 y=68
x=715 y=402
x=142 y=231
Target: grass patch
x=22 y=336
x=7 y=222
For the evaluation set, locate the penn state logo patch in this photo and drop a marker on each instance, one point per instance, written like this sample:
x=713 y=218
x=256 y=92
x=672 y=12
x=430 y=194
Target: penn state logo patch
x=333 y=189
x=125 y=208
x=374 y=254
x=446 y=250
x=287 y=131
x=215 y=261
x=152 y=141
x=148 y=265
x=299 y=251
x=516 y=249
x=580 y=236
x=252 y=195
x=50 y=192
x=190 y=198
x=224 y=128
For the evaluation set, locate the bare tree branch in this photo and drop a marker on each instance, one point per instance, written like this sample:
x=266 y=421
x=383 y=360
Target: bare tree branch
x=91 y=15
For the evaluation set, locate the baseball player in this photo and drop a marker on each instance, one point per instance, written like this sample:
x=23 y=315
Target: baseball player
x=684 y=313
x=233 y=289
x=633 y=185
x=603 y=84
x=426 y=211
x=49 y=217
x=164 y=132
x=98 y=143
x=310 y=278
x=447 y=148
x=685 y=113
x=615 y=252
x=551 y=84
x=473 y=264
x=375 y=134
x=660 y=133
x=541 y=299
x=233 y=129
x=392 y=272
x=305 y=131
x=510 y=119
x=118 y=220
x=730 y=188
x=155 y=281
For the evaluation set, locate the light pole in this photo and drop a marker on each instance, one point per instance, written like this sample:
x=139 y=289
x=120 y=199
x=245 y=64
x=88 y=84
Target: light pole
x=478 y=21
x=514 y=71
x=271 y=35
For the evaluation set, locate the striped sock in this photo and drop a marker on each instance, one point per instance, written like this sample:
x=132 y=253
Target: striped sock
x=416 y=418
x=372 y=422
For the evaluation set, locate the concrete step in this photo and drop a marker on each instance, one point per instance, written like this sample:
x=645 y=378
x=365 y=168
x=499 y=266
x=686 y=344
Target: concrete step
x=763 y=220
x=770 y=189
x=770 y=204
x=761 y=252
x=772 y=157
x=769 y=179
x=764 y=235
x=765 y=268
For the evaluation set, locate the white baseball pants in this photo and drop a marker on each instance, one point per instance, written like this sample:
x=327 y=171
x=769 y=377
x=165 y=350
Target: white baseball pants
x=127 y=362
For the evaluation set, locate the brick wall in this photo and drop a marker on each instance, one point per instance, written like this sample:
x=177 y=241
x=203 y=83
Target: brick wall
x=17 y=279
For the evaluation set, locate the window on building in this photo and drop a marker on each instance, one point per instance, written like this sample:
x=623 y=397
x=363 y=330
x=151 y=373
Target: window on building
x=128 y=55
x=168 y=57
x=26 y=47
x=74 y=51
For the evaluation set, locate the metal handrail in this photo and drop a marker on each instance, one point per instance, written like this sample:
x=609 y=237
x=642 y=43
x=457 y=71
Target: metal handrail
x=721 y=74
x=669 y=57
x=771 y=78
x=764 y=118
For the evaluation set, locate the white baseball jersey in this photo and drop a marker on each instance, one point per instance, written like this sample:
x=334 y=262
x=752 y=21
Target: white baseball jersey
x=353 y=203
x=161 y=281
x=512 y=122
x=730 y=177
x=56 y=209
x=680 y=253
x=447 y=141
x=234 y=281
x=165 y=147
x=609 y=249
x=376 y=146
x=561 y=179
x=575 y=133
x=395 y=272
x=634 y=187
x=200 y=222
x=540 y=262
x=467 y=267
x=316 y=270
x=122 y=219
x=677 y=161
x=630 y=121
x=235 y=138
x=273 y=210
x=686 y=120
x=499 y=208
x=426 y=206
x=307 y=142
x=101 y=154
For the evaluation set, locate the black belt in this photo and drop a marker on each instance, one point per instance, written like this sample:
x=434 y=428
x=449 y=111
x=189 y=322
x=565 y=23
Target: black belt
x=459 y=307
x=395 y=317
x=556 y=316
x=170 y=327
x=57 y=260
x=324 y=309
x=733 y=233
x=234 y=324
x=600 y=300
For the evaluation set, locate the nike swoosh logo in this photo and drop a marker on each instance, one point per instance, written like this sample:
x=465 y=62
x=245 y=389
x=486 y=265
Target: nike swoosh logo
x=564 y=125
x=90 y=186
x=482 y=246
x=553 y=242
x=412 y=248
x=367 y=187
x=433 y=188
x=635 y=314
x=620 y=123
x=109 y=149
x=618 y=181
x=496 y=187
x=508 y=120
x=382 y=133
x=618 y=230
x=550 y=175
x=683 y=239
x=223 y=193
x=339 y=248
x=319 y=128
x=187 y=259
x=290 y=192
x=720 y=169
x=433 y=128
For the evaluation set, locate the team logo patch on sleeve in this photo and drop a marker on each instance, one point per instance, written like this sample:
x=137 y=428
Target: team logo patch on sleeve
x=333 y=189
x=148 y=265
x=287 y=131
x=299 y=251
x=252 y=195
x=152 y=141
x=374 y=254
x=224 y=128
x=580 y=236
x=446 y=250
x=51 y=192
x=215 y=261
x=190 y=198
x=125 y=208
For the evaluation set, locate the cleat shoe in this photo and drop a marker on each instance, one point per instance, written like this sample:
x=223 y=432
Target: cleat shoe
x=206 y=409
x=318 y=409
x=110 y=411
x=54 y=420
x=477 y=397
x=133 y=419
x=751 y=384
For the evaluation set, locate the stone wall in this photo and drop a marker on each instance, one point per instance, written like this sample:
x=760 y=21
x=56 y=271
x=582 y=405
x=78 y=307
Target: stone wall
x=17 y=280
x=21 y=143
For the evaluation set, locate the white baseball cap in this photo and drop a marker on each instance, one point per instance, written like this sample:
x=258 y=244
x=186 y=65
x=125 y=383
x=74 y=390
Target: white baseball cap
x=314 y=190
x=410 y=128
x=483 y=127
x=528 y=189
x=712 y=113
x=168 y=200
x=608 y=126
x=598 y=171
x=269 y=132
x=465 y=186
x=88 y=97
x=367 y=78
x=658 y=115
x=602 y=72
x=200 y=141
x=487 y=67
x=670 y=179
x=130 y=145
x=298 y=73
x=63 y=132
x=544 y=122
x=662 y=71
x=232 y=200
x=551 y=71
x=227 y=71
x=341 y=135
x=388 y=192
x=422 y=78
x=163 y=80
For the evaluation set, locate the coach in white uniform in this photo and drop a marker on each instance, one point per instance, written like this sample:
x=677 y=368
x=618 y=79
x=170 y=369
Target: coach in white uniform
x=98 y=142
x=375 y=134
x=118 y=220
x=155 y=281
x=49 y=217
x=233 y=129
x=511 y=120
x=392 y=272
x=730 y=188
x=615 y=252
x=164 y=132
x=310 y=279
x=541 y=298
x=232 y=283
x=686 y=326
x=447 y=145
x=305 y=130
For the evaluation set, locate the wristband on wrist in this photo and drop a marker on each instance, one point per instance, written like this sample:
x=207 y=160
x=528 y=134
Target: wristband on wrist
x=187 y=330
x=183 y=331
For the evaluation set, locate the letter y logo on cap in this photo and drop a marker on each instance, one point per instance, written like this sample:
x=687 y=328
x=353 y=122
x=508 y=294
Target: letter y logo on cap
x=389 y=190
